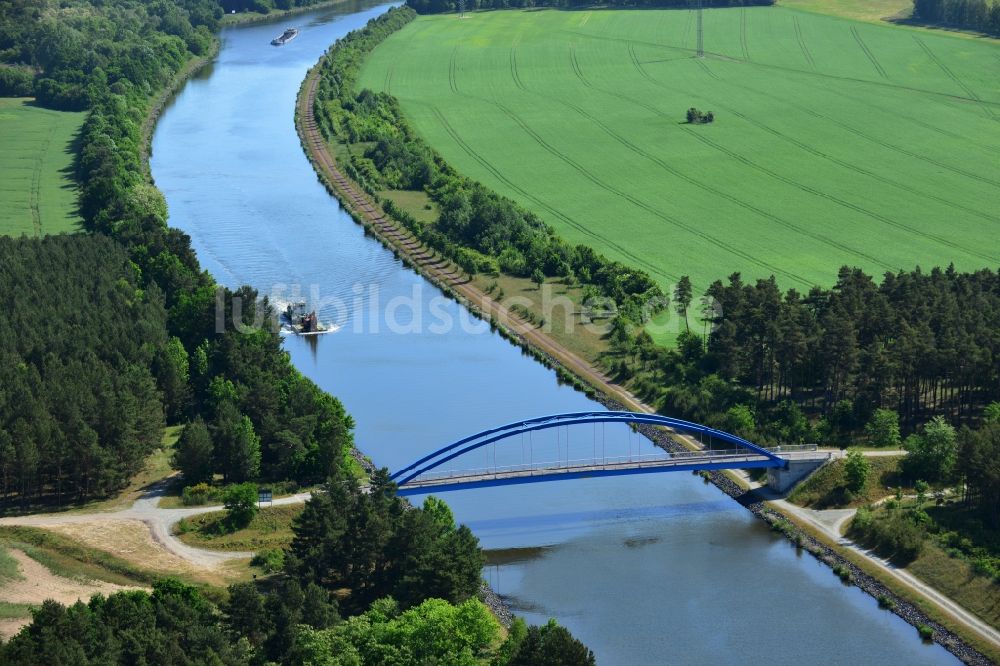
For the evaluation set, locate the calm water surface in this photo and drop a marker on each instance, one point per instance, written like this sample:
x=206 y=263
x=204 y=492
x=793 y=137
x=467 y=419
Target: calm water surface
x=646 y=570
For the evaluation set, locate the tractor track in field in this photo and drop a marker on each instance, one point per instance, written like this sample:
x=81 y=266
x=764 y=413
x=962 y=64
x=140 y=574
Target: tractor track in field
x=835 y=199
x=890 y=146
x=387 y=84
x=638 y=66
x=577 y=69
x=813 y=191
x=530 y=197
x=868 y=53
x=822 y=155
x=743 y=34
x=452 y=77
x=865 y=172
x=688 y=22
x=513 y=67
x=638 y=203
x=871 y=82
x=868 y=137
x=809 y=149
x=791 y=226
x=37 y=162
x=708 y=70
x=793 y=70
x=628 y=41
x=920 y=123
x=802 y=42
x=456 y=137
x=951 y=75
x=818 y=153
x=35 y=193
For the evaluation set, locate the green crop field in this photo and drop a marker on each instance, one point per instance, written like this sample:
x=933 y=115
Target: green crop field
x=37 y=191
x=835 y=142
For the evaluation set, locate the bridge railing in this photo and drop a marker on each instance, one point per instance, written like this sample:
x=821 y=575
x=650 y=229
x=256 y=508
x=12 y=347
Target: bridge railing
x=635 y=460
x=792 y=448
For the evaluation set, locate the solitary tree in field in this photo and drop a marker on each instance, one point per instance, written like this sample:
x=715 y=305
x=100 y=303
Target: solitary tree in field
x=682 y=298
x=538 y=277
x=697 y=117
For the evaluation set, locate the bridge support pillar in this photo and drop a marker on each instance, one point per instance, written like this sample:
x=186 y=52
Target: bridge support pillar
x=782 y=480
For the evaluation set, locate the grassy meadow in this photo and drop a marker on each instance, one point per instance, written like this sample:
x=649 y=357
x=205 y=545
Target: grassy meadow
x=835 y=141
x=828 y=487
x=37 y=191
x=271 y=527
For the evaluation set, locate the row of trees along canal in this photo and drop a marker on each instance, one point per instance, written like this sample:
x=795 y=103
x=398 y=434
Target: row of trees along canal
x=778 y=367
x=111 y=333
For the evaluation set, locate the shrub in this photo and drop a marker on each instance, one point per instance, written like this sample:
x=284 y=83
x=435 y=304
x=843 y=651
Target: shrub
x=16 y=82
x=897 y=535
x=270 y=561
x=886 y=602
x=844 y=573
x=926 y=632
x=857 y=468
x=198 y=494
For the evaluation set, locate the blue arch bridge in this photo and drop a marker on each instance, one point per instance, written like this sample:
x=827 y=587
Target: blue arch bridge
x=786 y=465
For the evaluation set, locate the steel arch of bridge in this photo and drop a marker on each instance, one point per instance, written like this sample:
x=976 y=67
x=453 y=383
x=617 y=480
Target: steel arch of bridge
x=485 y=437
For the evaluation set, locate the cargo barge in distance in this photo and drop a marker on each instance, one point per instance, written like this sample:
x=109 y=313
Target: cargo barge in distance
x=285 y=37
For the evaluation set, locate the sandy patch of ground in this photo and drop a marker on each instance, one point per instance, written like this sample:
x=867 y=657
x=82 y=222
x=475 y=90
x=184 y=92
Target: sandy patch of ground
x=129 y=540
x=40 y=584
x=11 y=626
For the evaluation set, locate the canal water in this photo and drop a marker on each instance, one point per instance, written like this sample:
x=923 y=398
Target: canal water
x=649 y=569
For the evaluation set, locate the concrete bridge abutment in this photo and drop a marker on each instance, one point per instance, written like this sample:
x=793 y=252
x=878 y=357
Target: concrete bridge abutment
x=782 y=479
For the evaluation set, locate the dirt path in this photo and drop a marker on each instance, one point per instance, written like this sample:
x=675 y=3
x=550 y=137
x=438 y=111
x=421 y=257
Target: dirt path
x=40 y=584
x=10 y=626
x=142 y=532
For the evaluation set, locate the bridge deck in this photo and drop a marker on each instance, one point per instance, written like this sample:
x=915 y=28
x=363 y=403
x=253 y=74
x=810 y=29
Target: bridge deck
x=550 y=471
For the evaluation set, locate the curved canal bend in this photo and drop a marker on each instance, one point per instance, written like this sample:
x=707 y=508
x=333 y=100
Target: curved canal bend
x=645 y=570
